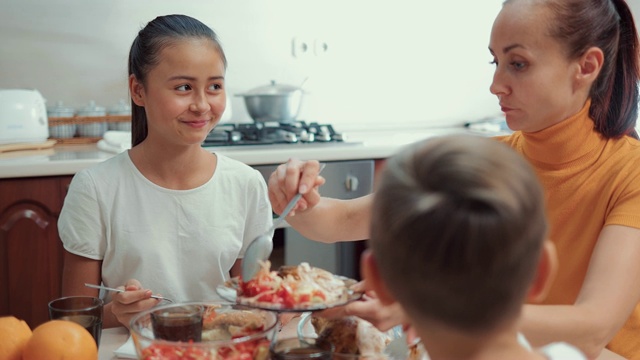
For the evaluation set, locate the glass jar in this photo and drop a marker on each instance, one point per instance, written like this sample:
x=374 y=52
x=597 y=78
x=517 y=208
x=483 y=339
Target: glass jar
x=62 y=131
x=121 y=108
x=92 y=129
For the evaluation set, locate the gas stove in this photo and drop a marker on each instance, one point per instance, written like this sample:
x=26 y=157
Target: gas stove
x=268 y=133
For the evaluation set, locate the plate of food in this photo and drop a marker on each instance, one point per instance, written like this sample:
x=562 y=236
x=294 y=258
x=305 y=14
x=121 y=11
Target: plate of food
x=353 y=338
x=290 y=289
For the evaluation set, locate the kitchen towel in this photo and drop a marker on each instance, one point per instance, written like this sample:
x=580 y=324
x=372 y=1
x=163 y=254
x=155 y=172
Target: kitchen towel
x=115 y=141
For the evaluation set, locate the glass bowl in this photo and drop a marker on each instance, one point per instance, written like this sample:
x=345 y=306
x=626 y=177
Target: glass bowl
x=229 y=332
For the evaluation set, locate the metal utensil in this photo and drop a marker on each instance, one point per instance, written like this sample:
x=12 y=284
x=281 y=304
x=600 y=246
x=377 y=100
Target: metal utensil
x=120 y=291
x=260 y=248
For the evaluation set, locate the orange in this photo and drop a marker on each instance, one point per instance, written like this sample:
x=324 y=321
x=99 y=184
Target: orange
x=60 y=339
x=14 y=334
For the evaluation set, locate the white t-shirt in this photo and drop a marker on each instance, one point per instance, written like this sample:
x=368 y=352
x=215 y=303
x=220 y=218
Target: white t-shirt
x=178 y=243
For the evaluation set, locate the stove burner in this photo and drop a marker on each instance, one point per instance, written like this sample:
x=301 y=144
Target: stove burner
x=263 y=133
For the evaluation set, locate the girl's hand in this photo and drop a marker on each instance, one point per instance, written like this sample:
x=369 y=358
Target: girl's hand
x=129 y=303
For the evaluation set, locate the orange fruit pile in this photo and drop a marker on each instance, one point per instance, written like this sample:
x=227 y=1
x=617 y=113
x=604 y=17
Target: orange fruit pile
x=55 y=339
x=14 y=335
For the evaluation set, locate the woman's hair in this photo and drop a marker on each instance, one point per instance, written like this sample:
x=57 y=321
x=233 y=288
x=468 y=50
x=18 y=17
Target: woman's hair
x=608 y=25
x=145 y=55
x=457 y=228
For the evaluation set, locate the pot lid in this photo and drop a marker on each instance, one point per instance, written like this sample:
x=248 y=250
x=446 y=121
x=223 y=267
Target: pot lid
x=273 y=89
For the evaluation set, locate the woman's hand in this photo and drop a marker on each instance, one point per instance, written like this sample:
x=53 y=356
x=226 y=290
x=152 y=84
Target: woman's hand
x=135 y=299
x=292 y=177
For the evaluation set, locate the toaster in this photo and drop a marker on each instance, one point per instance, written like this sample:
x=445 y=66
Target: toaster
x=23 y=116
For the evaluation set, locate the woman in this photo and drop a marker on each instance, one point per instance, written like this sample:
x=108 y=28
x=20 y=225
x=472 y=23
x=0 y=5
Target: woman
x=567 y=80
x=167 y=213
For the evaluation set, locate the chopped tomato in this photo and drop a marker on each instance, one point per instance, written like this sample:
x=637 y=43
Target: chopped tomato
x=242 y=351
x=169 y=352
x=253 y=288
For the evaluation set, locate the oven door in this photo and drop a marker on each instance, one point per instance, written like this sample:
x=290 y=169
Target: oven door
x=344 y=180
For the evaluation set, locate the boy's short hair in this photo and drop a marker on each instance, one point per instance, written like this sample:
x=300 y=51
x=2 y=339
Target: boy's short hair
x=457 y=231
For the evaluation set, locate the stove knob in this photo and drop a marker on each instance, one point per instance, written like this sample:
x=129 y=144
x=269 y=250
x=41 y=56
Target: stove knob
x=235 y=136
x=285 y=136
x=338 y=137
x=306 y=136
x=323 y=134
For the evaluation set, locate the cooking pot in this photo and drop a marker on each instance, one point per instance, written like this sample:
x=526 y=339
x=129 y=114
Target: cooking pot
x=273 y=102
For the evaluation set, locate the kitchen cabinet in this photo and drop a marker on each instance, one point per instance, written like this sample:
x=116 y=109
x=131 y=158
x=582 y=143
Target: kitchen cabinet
x=31 y=252
x=377 y=169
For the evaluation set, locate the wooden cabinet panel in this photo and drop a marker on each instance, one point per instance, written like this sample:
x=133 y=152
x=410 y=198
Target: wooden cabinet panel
x=30 y=249
x=377 y=169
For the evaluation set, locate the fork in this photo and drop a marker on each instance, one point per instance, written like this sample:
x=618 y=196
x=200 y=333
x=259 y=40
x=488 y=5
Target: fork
x=120 y=291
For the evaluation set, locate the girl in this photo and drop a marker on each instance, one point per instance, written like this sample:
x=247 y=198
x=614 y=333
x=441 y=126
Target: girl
x=167 y=212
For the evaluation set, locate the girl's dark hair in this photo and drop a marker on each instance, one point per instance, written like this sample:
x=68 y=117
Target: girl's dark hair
x=608 y=25
x=145 y=55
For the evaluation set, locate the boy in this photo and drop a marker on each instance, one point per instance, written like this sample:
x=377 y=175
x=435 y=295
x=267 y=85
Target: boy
x=458 y=238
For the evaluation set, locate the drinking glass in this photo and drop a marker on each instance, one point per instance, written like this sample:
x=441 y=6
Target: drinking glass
x=84 y=310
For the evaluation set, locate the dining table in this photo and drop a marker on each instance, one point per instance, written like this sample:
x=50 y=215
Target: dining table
x=114 y=338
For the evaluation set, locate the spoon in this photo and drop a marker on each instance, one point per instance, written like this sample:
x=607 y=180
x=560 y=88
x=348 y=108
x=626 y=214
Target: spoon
x=260 y=248
x=120 y=291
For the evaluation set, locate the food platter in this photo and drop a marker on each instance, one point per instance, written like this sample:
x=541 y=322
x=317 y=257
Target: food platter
x=229 y=292
x=395 y=349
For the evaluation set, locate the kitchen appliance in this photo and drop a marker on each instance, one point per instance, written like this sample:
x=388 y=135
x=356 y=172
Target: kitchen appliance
x=273 y=102
x=269 y=133
x=343 y=180
x=23 y=116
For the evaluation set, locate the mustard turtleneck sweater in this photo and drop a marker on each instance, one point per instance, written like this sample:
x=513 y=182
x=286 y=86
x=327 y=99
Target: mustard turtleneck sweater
x=589 y=182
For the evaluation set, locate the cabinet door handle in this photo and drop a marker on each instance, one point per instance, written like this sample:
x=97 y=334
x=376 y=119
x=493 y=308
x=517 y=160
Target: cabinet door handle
x=352 y=183
x=25 y=214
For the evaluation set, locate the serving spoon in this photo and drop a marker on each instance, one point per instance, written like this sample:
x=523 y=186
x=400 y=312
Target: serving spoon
x=260 y=248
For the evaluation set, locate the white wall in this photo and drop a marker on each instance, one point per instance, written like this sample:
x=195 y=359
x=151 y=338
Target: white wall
x=389 y=62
